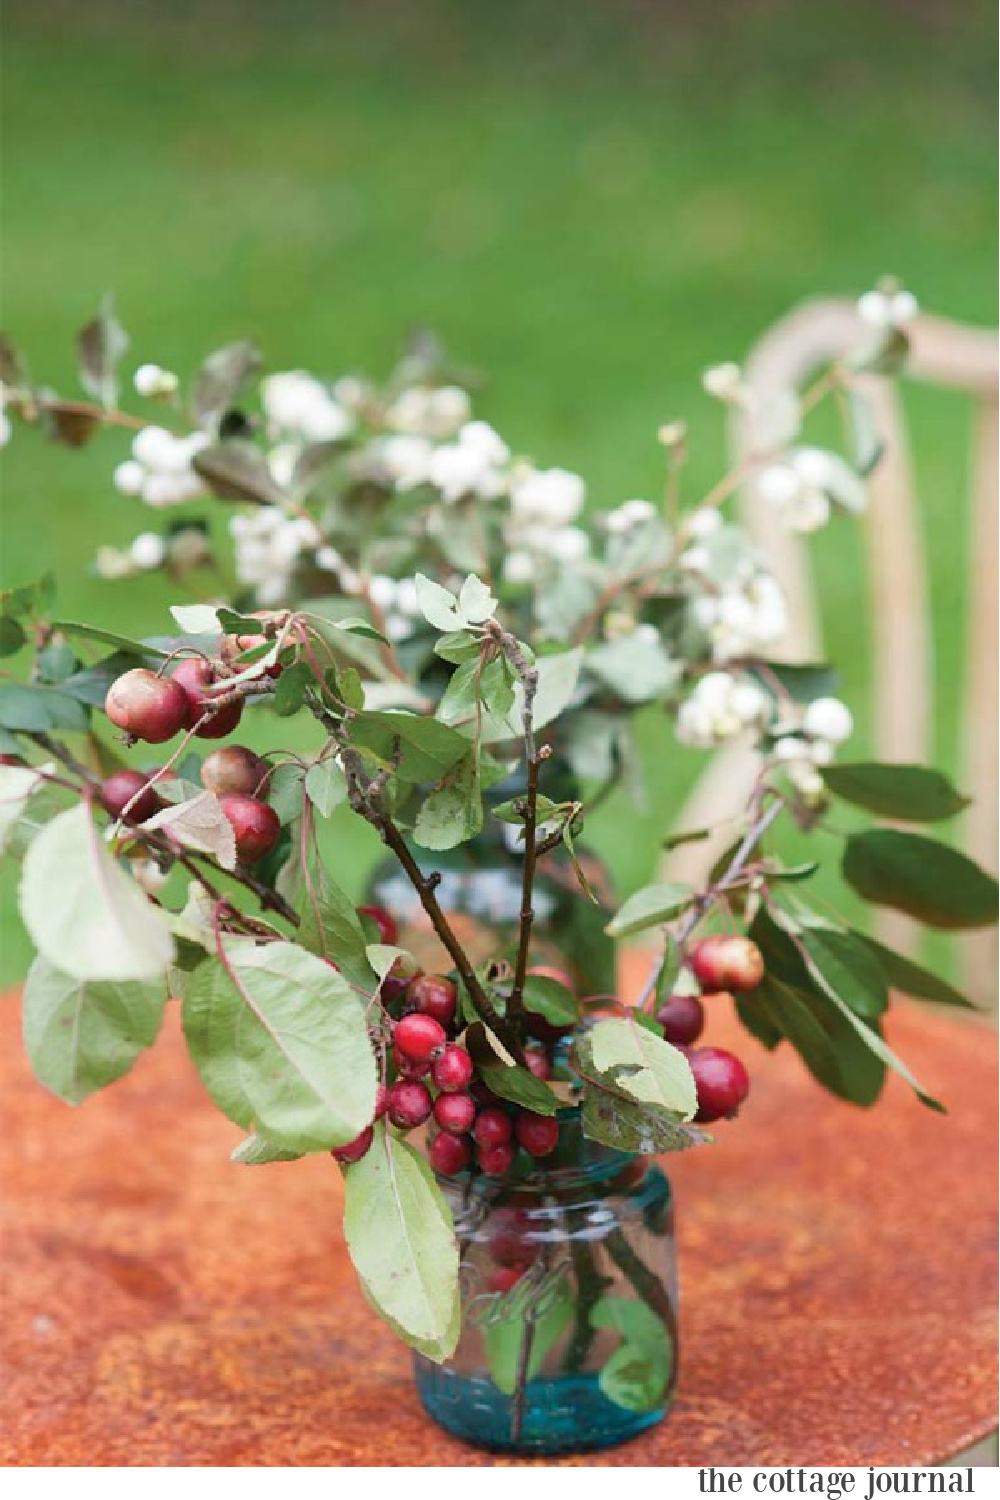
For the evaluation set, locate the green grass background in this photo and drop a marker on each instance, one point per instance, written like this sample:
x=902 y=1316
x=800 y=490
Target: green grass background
x=589 y=202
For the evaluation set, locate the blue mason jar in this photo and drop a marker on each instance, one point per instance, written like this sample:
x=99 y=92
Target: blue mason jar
x=569 y=1303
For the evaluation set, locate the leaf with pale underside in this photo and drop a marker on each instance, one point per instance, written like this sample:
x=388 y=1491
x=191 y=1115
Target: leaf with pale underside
x=199 y=824
x=83 y=912
x=81 y=1035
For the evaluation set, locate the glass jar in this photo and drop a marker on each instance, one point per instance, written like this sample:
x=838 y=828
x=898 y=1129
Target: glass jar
x=480 y=892
x=569 y=1303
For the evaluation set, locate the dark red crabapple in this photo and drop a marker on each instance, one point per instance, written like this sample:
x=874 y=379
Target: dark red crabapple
x=495 y=1161
x=147 y=707
x=537 y=1060
x=410 y=1103
x=433 y=995
x=256 y=826
x=419 y=1038
x=452 y=1071
x=721 y=1080
x=454 y=1113
x=682 y=1019
x=388 y=932
x=354 y=1150
x=118 y=789
x=492 y=1128
x=727 y=962
x=502 y=1278
x=234 y=768
x=510 y=1244
x=538 y=1134
x=450 y=1154
x=407 y=1068
x=194 y=675
x=398 y=980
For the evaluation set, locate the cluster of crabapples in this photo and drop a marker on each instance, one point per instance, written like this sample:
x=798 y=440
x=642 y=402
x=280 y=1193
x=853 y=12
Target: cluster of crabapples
x=433 y=1081
x=724 y=965
x=154 y=707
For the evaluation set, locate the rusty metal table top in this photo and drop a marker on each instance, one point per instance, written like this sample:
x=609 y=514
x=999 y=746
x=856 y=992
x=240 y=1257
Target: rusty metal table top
x=162 y=1306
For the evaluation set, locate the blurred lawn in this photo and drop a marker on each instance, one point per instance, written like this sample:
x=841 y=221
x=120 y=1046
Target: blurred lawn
x=588 y=202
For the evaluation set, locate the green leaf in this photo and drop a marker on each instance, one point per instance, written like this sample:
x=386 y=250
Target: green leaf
x=460 y=700
x=803 y=681
x=626 y=1125
x=199 y=823
x=100 y=346
x=82 y=1035
x=108 y=638
x=290 y=692
x=557 y=679
x=912 y=794
x=428 y=748
x=35 y=710
x=553 y=1001
x=83 y=913
x=637 y=1375
x=848 y=967
x=643 y=1066
x=475 y=602
x=12 y=636
x=401 y=1239
x=518 y=1086
x=438 y=605
x=875 y=1043
x=285 y=790
x=636 y=669
x=454 y=812
x=905 y=975
x=331 y=928
x=220 y=379
x=257 y=1151
x=17 y=785
x=926 y=879
x=457 y=646
x=326 y=785
x=281 y=1042
x=539 y=1306
x=650 y=907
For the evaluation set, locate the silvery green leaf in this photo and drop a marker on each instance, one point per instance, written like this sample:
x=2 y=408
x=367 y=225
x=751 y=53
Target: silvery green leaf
x=281 y=1043
x=637 y=669
x=220 y=378
x=557 y=680
x=475 y=602
x=81 y=1035
x=197 y=619
x=199 y=824
x=83 y=913
x=326 y=785
x=438 y=605
x=237 y=471
x=100 y=346
x=401 y=1239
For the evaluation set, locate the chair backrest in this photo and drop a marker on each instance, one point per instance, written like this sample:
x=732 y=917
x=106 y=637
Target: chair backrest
x=941 y=353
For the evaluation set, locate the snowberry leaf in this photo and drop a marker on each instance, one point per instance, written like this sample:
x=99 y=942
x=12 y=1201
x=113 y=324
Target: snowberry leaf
x=650 y=907
x=281 y=1042
x=475 y=602
x=920 y=876
x=237 y=471
x=100 y=346
x=438 y=605
x=220 y=379
x=636 y=669
x=912 y=794
x=401 y=1239
x=84 y=914
x=81 y=1035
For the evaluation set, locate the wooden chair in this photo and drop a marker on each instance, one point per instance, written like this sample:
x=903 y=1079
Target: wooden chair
x=943 y=353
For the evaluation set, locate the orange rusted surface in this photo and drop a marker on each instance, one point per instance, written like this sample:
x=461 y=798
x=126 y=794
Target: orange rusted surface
x=164 y=1307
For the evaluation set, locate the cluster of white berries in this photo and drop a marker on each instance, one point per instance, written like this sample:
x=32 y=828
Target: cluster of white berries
x=160 y=470
x=888 y=307
x=544 y=503
x=185 y=548
x=747 y=618
x=722 y=706
x=628 y=517
x=430 y=411
x=268 y=544
x=299 y=406
x=826 y=723
x=472 y=465
x=155 y=381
